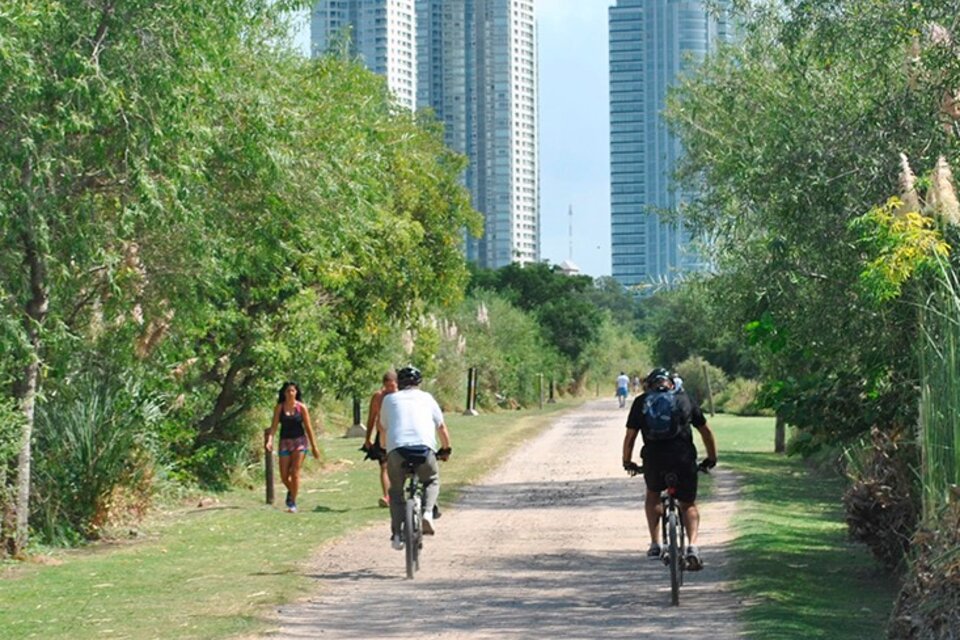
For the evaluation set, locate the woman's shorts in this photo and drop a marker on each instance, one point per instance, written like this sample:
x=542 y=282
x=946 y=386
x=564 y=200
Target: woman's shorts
x=289 y=445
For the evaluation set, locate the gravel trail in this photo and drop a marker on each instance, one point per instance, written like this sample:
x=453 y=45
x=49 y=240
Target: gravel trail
x=550 y=545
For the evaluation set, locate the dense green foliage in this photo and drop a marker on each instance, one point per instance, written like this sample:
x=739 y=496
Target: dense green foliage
x=791 y=136
x=795 y=138
x=191 y=213
x=559 y=303
x=198 y=209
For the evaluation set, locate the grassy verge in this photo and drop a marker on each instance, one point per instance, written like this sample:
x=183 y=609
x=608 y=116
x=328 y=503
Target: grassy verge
x=795 y=568
x=210 y=572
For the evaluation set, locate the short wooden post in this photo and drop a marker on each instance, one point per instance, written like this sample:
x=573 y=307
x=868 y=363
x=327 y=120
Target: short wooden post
x=357 y=430
x=551 y=400
x=471 y=392
x=540 y=389
x=706 y=376
x=268 y=467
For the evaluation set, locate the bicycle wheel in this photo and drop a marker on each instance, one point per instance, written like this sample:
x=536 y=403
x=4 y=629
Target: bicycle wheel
x=682 y=547
x=410 y=541
x=675 y=559
x=417 y=532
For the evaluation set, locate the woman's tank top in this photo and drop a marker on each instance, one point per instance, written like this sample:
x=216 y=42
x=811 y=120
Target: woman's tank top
x=291 y=426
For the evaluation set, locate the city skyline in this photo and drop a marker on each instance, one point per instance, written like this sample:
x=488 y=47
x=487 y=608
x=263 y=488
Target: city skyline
x=573 y=131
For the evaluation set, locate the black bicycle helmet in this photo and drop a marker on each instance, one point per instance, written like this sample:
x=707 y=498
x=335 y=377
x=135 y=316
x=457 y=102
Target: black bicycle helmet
x=655 y=377
x=408 y=377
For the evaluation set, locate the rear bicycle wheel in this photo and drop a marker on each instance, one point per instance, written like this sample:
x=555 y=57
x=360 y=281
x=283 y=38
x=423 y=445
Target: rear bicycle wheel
x=674 y=547
x=410 y=541
x=417 y=532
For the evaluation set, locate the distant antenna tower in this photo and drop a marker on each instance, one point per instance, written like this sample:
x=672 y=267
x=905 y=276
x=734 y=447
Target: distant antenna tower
x=571 y=234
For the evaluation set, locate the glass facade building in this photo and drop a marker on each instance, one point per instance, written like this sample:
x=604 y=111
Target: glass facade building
x=474 y=63
x=381 y=32
x=478 y=73
x=651 y=43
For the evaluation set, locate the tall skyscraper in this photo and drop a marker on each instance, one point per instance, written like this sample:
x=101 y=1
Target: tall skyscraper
x=651 y=43
x=382 y=33
x=476 y=68
x=478 y=72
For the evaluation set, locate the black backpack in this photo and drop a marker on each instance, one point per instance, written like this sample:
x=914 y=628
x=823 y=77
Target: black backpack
x=660 y=419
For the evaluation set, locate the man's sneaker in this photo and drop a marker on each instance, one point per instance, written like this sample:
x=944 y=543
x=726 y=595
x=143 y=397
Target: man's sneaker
x=654 y=551
x=396 y=542
x=694 y=563
x=427 y=524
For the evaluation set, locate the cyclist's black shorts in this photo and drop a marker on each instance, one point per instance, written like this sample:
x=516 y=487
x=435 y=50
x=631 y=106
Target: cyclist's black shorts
x=655 y=470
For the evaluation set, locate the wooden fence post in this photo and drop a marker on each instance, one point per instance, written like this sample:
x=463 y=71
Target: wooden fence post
x=268 y=467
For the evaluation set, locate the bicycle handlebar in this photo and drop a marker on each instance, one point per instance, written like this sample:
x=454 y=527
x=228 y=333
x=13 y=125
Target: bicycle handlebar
x=635 y=469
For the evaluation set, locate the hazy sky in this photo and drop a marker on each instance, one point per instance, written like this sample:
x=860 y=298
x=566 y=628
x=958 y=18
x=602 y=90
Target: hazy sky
x=574 y=132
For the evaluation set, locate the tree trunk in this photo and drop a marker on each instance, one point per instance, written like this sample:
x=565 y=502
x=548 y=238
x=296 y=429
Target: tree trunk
x=779 y=435
x=36 y=311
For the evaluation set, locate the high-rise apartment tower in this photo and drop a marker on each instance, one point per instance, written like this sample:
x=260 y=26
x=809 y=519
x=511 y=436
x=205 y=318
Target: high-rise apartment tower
x=651 y=43
x=476 y=68
x=383 y=33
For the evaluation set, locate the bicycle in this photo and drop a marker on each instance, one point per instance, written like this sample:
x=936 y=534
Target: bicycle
x=675 y=536
x=413 y=517
x=673 y=531
x=412 y=531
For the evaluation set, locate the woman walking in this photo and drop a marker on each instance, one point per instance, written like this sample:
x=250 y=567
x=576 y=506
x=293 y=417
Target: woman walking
x=296 y=432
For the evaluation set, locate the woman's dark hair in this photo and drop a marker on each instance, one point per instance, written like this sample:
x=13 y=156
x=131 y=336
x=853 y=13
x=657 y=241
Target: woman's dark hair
x=283 y=390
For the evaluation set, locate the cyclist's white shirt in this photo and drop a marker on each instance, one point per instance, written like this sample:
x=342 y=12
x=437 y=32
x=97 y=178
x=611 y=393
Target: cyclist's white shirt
x=410 y=418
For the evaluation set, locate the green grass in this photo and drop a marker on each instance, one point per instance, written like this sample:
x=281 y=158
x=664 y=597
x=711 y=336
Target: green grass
x=795 y=568
x=212 y=572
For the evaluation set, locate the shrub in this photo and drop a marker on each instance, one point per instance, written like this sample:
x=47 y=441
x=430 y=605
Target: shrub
x=695 y=383
x=89 y=459
x=929 y=603
x=739 y=398
x=882 y=503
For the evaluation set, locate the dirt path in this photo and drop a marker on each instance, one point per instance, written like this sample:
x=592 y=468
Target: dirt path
x=548 y=546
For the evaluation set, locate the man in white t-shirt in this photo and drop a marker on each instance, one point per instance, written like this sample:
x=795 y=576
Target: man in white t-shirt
x=623 y=385
x=409 y=422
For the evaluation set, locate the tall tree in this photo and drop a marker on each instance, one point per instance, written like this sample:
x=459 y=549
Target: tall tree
x=790 y=136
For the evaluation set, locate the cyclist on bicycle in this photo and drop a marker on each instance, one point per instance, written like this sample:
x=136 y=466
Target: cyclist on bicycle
x=409 y=422
x=663 y=416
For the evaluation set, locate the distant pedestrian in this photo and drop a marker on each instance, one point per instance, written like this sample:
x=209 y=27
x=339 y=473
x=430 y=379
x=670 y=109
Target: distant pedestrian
x=296 y=434
x=623 y=388
x=371 y=445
